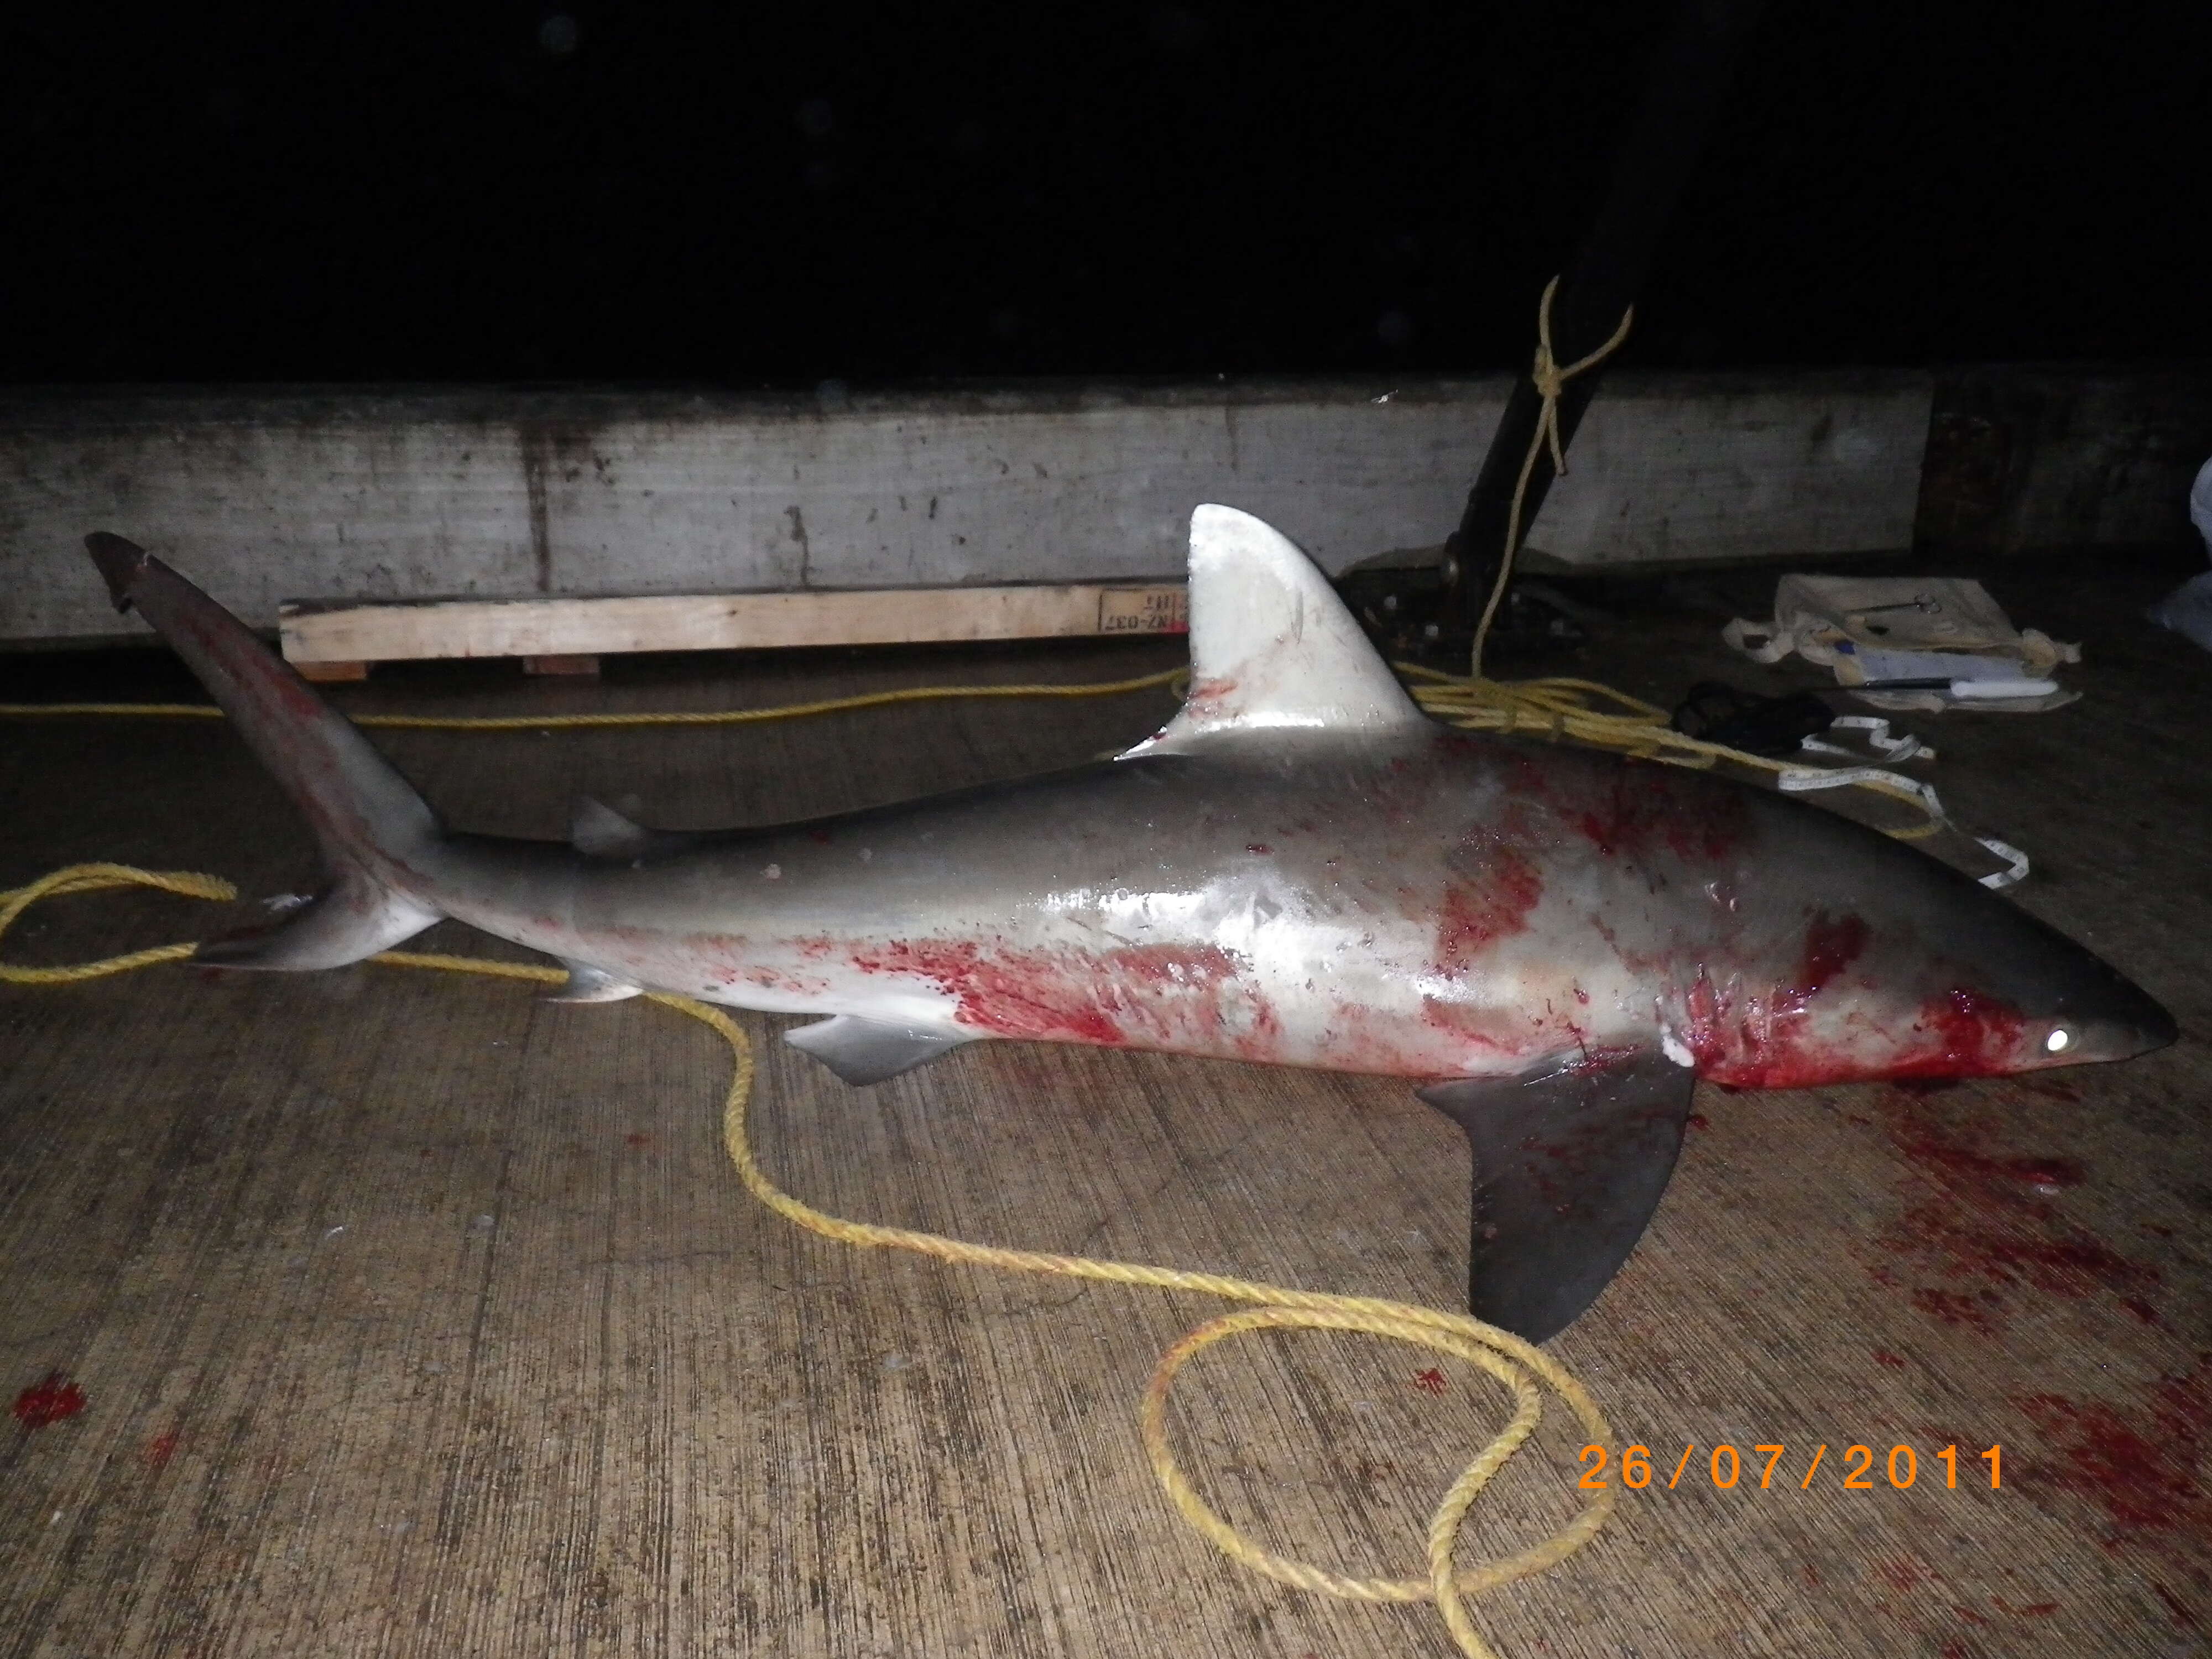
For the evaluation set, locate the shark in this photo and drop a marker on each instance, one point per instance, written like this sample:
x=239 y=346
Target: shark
x=1553 y=945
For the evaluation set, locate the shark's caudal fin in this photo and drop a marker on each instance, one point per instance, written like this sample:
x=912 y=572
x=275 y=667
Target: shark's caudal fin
x=367 y=819
x=1272 y=647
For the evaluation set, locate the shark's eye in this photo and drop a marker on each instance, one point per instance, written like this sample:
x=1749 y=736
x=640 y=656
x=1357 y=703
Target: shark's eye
x=2058 y=1040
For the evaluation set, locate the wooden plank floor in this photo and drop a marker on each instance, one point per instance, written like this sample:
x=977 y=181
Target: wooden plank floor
x=413 y=1317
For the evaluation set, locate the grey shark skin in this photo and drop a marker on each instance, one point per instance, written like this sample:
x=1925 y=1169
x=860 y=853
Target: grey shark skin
x=1300 y=869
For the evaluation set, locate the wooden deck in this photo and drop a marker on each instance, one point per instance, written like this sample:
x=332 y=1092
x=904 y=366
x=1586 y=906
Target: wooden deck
x=413 y=1317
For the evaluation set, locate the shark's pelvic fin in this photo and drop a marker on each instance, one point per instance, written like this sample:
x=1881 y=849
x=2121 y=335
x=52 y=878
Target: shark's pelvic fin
x=588 y=984
x=867 y=1051
x=1570 y=1161
x=352 y=919
x=596 y=829
x=1272 y=647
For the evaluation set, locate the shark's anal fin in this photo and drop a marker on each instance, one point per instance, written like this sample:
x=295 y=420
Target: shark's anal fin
x=1272 y=647
x=1569 y=1165
x=349 y=920
x=863 y=1051
x=588 y=984
x=596 y=830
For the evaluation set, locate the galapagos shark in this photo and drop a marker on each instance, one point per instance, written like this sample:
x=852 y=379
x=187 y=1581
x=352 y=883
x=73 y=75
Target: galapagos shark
x=1300 y=869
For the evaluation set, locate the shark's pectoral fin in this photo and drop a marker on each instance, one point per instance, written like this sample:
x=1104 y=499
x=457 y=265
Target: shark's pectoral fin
x=868 y=1051
x=588 y=984
x=351 y=920
x=1569 y=1165
x=596 y=829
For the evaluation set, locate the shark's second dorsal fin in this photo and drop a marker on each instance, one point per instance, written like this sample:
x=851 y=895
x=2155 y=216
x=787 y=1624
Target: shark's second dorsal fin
x=596 y=829
x=1272 y=647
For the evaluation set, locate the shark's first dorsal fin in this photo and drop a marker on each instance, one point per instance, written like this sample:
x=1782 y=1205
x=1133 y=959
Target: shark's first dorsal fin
x=1272 y=647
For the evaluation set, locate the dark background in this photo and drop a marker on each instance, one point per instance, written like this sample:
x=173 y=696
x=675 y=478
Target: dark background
x=774 y=195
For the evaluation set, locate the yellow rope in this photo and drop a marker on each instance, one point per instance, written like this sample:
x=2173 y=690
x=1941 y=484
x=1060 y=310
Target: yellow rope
x=1519 y=1365
x=1550 y=381
x=574 y=722
x=1563 y=708
x=1560 y=708
x=92 y=879
x=1557 y=709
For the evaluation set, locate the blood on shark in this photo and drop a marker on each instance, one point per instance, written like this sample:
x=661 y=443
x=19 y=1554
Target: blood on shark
x=1300 y=869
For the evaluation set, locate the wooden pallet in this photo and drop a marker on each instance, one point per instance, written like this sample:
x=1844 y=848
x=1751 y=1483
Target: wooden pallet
x=340 y=639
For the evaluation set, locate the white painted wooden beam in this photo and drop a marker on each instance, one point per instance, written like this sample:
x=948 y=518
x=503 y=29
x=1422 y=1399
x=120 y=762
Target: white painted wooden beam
x=330 y=632
x=265 y=494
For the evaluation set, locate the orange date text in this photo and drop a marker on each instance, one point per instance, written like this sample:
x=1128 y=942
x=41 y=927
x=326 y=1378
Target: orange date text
x=1856 y=1468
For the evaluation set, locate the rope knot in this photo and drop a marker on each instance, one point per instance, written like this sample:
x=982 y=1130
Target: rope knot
x=1550 y=381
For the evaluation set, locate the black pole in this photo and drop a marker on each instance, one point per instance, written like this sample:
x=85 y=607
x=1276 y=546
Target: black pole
x=1657 y=152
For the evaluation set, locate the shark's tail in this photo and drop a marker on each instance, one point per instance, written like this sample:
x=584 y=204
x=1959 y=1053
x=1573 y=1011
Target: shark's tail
x=376 y=832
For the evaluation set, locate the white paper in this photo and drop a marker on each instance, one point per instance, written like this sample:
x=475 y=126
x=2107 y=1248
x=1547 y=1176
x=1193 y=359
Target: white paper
x=1877 y=664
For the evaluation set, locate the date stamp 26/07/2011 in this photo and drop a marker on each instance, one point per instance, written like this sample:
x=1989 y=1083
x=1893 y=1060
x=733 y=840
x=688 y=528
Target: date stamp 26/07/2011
x=1728 y=1468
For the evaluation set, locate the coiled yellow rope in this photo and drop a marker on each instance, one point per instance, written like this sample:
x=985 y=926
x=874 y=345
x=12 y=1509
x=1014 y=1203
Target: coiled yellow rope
x=92 y=879
x=1523 y=1369
x=1563 y=708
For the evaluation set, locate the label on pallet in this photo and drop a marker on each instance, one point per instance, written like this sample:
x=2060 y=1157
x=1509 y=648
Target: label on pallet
x=1144 y=611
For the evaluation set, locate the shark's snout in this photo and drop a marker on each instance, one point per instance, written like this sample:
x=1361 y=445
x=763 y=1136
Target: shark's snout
x=2157 y=1029
x=2075 y=1006
x=2115 y=1020
x=119 y=561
